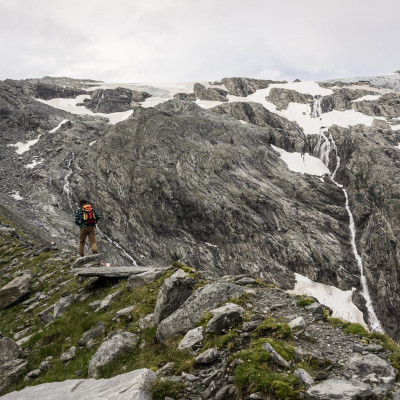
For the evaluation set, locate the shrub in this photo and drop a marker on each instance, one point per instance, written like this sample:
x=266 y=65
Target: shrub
x=164 y=388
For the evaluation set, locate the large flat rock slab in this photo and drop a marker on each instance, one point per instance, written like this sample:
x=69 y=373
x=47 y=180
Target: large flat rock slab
x=133 y=385
x=113 y=272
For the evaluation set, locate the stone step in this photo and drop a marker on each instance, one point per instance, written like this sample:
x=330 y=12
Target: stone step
x=114 y=272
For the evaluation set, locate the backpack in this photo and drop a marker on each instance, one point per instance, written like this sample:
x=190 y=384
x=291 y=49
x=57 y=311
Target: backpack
x=89 y=217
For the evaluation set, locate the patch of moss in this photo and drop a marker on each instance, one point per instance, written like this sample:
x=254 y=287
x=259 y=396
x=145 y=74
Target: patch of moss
x=305 y=301
x=356 y=329
x=271 y=326
x=161 y=389
x=221 y=341
x=338 y=322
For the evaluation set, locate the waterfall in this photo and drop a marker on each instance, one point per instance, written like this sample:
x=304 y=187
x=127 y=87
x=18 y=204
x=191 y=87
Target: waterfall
x=322 y=150
x=316 y=110
x=67 y=187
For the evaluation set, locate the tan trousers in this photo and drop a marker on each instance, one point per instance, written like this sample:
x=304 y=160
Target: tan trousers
x=91 y=232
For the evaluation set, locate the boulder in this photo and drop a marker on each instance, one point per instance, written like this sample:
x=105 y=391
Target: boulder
x=173 y=293
x=134 y=385
x=338 y=389
x=125 y=311
x=297 y=323
x=192 y=338
x=208 y=356
x=224 y=317
x=315 y=308
x=111 y=298
x=147 y=321
x=11 y=363
x=212 y=94
x=68 y=355
x=62 y=305
x=98 y=331
x=14 y=290
x=246 y=281
x=304 y=377
x=115 y=346
x=143 y=278
x=89 y=259
x=192 y=310
x=364 y=365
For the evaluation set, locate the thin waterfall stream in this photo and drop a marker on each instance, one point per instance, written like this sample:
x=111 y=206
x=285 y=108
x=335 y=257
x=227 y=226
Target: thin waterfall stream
x=323 y=150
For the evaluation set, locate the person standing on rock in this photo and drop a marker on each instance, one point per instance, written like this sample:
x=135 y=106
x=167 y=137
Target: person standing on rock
x=86 y=218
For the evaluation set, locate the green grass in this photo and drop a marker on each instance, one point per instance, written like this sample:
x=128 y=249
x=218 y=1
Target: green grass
x=356 y=329
x=271 y=327
x=161 y=389
x=305 y=301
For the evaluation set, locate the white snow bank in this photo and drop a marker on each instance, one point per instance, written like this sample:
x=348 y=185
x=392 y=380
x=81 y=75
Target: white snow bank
x=340 y=301
x=208 y=103
x=368 y=97
x=22 y=147
x=71 y=105
x=304 y=163
x=16 y=196
x=33 y=164
x=92 y=143
x=59 y=126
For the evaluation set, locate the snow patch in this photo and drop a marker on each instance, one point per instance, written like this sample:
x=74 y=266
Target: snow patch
x=16 y=196
x=340 y=301
x=368 y=97
x=33 y=164
x=59 y=126
x=92 y=143
x=304 y=163
x=243 y=122
x=23 y=147
x=208 y=103
x=71 y=106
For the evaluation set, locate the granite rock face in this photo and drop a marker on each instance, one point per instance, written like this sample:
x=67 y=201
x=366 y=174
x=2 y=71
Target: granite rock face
x=282 y=97
x=244 y=86
x=14 y=290
x=192 y=310
x=213 y=94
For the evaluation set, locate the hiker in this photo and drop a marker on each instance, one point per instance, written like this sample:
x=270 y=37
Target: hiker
x=87 y=217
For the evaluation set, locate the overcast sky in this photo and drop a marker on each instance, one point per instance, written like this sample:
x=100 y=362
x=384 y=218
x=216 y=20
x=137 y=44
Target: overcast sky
x=154 y=41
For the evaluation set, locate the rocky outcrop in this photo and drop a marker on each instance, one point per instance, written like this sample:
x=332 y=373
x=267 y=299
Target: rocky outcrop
x=143 y=278
x=244 y=86
x=15 y=290
x=185 y=96
x=224 y=317
x=94 y=333
x=173 y=293
x=12 y=363
x=187 y=316
x=387 y=106
x=134 y=385
x=114 y=100
x=109 y=350
x=339 y=389
x=212 y=94
x=282 y=97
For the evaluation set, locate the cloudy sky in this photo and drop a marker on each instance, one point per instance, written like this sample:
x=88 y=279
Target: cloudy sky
x=156 y=41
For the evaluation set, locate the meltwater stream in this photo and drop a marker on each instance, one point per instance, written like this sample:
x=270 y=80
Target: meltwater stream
x=322 y=150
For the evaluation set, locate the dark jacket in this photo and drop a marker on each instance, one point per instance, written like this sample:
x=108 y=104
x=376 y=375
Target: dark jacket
x=79 y=218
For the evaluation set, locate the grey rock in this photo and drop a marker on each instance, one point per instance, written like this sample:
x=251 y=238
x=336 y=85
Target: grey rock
x=134 y=385
x=118 y=344
x=167 y=369
x=364 y=365
x=98 y=331
x=173 y=293
x=125 y=311
x=209 y=391
x=244 y=86
x=185 y=96
x=250 y=325
x=276 y=358
x=193 y=338
x=143 y=278
x=94 y=305
x=282 y=97
x=304 y=377
x=147 y=322
x=224 y=318
x=213 y=94
x=246 y=281
x=315 y=308
x=62 y=305
x=297 y=323
x=15 y=290
x=114 y=100
x=113 y=272
x=44 y=365
x=111 y=298
x=192 y=310
x=68 y=355
x=89 y=259
x=32 y=374
x=23 y=333
x=337 y=389
x=208 y=356
x=227 y=392
x=11 y=363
